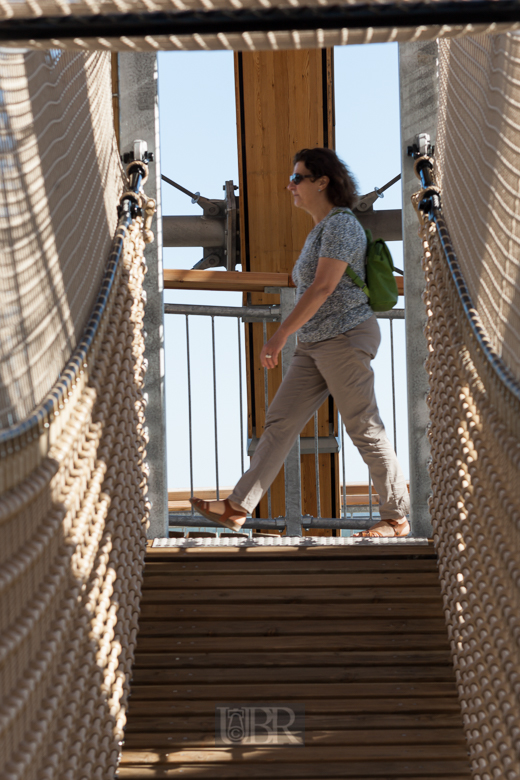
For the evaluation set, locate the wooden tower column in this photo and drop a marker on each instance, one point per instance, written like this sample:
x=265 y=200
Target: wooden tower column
x=284 y=103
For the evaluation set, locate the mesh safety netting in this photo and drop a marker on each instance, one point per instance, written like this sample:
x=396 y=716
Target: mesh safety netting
x=36 y=8
x=60 y=181
x=256 y=33
x=479 y=145
x=474 y=415
x=72 y=506
x=73 y=509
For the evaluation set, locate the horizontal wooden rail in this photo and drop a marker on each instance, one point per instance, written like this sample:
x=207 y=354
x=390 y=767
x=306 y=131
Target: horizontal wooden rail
x=232 y=281
x=239 y=281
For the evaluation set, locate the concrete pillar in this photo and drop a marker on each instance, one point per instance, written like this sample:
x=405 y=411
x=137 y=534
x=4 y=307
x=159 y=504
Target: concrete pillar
x=139 y=119
x=419 y=101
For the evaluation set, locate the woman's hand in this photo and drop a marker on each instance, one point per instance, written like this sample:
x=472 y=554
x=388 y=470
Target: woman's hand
x=328 y=275
x=271 y=350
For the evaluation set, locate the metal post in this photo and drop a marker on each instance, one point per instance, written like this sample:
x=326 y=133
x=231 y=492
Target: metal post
x=293 y=485
x=419 y=90
x=240 y=403
x=190 y=417
x=342 y=429
x=266 y=407
x=215 y=408
x=317 y=465
x=139 y=119
x=394 y=419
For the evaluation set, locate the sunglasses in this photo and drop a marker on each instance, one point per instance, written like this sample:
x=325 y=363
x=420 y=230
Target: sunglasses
x=297 y=178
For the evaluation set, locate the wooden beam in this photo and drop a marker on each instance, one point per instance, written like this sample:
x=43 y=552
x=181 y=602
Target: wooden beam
x=229 y=281
x=284 y=103
x=177 y=279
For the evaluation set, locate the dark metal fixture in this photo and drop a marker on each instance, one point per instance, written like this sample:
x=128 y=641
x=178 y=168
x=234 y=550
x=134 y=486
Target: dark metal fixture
x=216 y=231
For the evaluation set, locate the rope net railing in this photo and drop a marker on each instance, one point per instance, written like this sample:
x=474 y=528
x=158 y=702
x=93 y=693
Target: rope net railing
x=244 y=25
x=471 y=297
x=57 y=150
x=26 y=9
x=73 y=508
x=479 y=143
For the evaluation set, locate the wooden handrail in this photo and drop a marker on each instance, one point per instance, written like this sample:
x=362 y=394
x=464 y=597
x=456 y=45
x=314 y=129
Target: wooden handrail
x=232 y=281
x=237 y=281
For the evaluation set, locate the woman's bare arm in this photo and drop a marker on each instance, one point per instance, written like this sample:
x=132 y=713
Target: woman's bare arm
x=328 y=276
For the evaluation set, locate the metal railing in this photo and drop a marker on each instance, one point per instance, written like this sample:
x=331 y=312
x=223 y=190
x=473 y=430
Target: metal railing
x=353 y=517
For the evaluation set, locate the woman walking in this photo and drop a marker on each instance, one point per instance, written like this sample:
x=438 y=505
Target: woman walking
x=338 y=336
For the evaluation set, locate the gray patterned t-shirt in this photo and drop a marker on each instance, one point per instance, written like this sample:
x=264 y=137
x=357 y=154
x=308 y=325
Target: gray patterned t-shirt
x=341 y=237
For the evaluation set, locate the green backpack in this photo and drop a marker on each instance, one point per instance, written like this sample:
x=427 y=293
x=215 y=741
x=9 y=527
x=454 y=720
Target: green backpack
x=380 y=286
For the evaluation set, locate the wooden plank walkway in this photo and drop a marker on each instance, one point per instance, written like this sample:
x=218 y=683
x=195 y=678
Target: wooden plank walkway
x=356 y=634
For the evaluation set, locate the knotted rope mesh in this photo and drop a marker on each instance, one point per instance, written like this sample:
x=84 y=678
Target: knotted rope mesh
x=475 y=419
x=73 y=509
x=317 y=36
x=262 y=41
x=479 y=145
x=60 y=182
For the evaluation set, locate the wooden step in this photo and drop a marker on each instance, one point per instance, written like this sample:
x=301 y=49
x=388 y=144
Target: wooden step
x=310 y=770
x=427 y=723
x=394 y=705
x=299 y=565
x=274 y=593
x=308 y=659
x=158 y=562
x=355 y=634
x=155 y=583
x=268 y=644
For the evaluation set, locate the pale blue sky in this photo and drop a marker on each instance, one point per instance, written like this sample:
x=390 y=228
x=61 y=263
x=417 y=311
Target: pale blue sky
x=199 y=150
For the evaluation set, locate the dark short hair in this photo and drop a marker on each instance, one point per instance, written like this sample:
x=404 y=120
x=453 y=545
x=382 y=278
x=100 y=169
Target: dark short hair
x=342 y=187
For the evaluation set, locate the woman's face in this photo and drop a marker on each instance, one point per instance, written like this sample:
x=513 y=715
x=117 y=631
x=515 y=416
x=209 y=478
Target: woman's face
x=307 y=193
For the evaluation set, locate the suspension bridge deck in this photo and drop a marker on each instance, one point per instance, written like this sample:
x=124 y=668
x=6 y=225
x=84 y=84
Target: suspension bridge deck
x=354 y=633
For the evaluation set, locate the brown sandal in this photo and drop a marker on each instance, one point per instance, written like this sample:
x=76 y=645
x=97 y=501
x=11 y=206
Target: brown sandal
x=225 y=519
x=382 y=526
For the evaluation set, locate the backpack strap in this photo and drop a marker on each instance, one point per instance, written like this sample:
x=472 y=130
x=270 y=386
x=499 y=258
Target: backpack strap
x=358 y=281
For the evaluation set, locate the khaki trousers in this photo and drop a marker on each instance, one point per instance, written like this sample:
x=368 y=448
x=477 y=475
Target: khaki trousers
x=339 y=366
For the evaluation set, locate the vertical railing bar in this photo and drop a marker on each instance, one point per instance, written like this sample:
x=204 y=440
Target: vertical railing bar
x=215 y=402
x=370 y=495
x=343 y=467
x=317 y=463
x=393 y=382
x=292 y=463
x=266 y=391
x=190 y=432
x=241 y=401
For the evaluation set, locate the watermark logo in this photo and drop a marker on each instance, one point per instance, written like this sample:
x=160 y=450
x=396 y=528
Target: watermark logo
x=259 y=724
